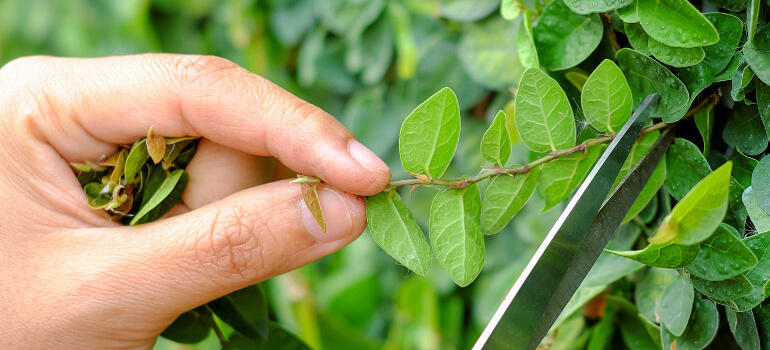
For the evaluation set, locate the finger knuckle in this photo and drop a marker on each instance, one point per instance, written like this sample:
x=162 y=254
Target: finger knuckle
x=232 y=246
x=193 y=68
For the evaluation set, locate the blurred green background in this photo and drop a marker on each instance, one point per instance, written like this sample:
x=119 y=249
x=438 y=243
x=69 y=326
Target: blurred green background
x=369 y=63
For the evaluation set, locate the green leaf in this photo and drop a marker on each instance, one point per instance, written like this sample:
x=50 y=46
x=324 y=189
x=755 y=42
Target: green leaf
x=496 y=144
x=245 y=310
x=190 y=327
x=721 y=256
x=744 y=329
x=736 y=215
x=759 y=217
x=628 y=13
x=467 y=10
x=675 y=56
x=560 y=31
x=685 y=166
x=135 y=160
x=731 y=5
x=649 y=289
x=525 y=43
x=606 y=98
x=429 y=135
x=348 y=19
x=739 y=81
x=584 y=7
x=757 y=53
x=669 y=255
x=758 y=276
x=577 y=79
x=654 y=183
x=164 y=191
x=455 y=232
x=156 y=146
x=702 y=330
x=732 y=67
x=676 y=304
x=676 y=23
x=646 y=76
x=98 y=194
x=393 y=227
x=760 y=182
x=699 y=213
x=730 y=29
x=505 y=196
x=563 y=175
x=743 y=167
x=728 y=289
x=632 y=330
x=704 y=121
x=763 y=104
x=510 y=9
x=696 y=78
x=543 y=114
x=488 y=52
x=638 y=38
x=280 y=339
x=744 y=130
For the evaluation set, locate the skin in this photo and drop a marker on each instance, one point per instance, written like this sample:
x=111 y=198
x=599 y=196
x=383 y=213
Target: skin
x=71 y=278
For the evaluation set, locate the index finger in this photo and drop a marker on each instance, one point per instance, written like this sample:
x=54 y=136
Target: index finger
x=97 y=103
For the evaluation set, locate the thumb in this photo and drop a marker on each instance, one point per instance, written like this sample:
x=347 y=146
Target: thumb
x=243 y=239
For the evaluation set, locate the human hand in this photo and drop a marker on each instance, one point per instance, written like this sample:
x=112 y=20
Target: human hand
x=72 y=278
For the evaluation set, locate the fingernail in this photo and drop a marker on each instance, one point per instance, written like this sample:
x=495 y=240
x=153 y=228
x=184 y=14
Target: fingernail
x=365 y=157
x=336 y=216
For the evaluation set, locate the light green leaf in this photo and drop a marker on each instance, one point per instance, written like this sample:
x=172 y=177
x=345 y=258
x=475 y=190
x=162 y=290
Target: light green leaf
x=744 y=130
x=163 y=191
x=760 y=182
x=685 y=166
x=467 y=10
x=505 y=196
x=245 y=310
x=429 y=135
x=752 y=19
x=393 y=227
x=722 y=256
x=606 y=98
x=563 y=175
x=759 y=217
x=744 y=329
x=728 y=289
x=730 y=29
x=488 y=51
x=496 y=144
x=702 y=330
x=98 y=194
x=757 y=53
x=654 y=183
x=510 y=9
x=704 y=121
x=543 y=114
x=628 y=13
x=647 y=76
x=649 y=288
x=348 y=19
x=577 y=79
x=584 y=7
x=560 y=31
x=135 y=160
x=675 y=56
x=667 y=255
x=525 y=44
x=676 y=304
x=676 y=23
x=699 y=213
x=638 y=38
x=455 y=232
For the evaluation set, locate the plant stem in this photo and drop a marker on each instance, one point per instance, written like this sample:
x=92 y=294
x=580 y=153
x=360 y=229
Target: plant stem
x=607 y=21
x=220 y=335
x=520 y=169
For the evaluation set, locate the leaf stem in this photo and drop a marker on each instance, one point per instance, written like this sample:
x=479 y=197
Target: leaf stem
x=520 y=169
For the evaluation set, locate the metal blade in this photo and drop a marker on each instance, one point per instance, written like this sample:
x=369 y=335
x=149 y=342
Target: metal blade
x=574 y=243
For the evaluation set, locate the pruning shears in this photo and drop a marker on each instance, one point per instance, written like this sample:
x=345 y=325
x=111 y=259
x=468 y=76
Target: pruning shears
x=575 y=241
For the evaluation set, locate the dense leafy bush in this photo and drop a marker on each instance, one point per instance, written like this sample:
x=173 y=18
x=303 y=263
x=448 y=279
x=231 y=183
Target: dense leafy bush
x=539 y=89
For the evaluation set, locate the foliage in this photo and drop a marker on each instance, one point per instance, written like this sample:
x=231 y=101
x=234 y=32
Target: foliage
x=565 y=73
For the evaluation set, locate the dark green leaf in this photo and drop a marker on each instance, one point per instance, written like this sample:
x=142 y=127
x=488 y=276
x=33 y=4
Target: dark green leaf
x=727 y=289
x=744 y=130
x=172 y=183
x=646 y=76
x=685 y=166
x=704 y=120
x=190 y=327
x=279 y=339
x=675 y=56
x=135 y=160
x=668 y=255
x=595 y=6
x=98 y=194
x=559 y=30
x=730 y=29
x=743 y=167
x=760 y=183
x=744 y=329
x=757 y=53
x=393 y=227
x=721 y=256
x=245 y=310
